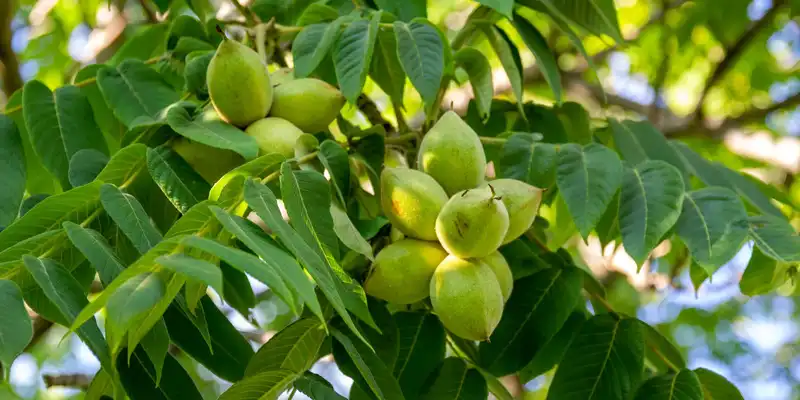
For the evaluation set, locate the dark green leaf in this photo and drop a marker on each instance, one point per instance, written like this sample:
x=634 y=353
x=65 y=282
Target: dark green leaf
x=352 y=55
x=716 y=387
x=422 y=348
x=295 y=348
x=207 y=128
x=68 y=296
x=649 y=205
x=421 y=54
x=454 y=380
x=404 y=10
x=480 y=77
x=236 y=290
x=762 y=275
x=386 y=69
x=312 y=44
x=526 y=160
x=605 y=361
x=335 y=160
x=659 y=350
x=539 y=305
x=175 y=177
x=12 y=169
x=103 y=115
x=355 y=358
x=315 y=387
x=125 y=165
x=266 y=385
x=85 y=165
x=713 y=224
x=596 y=16
x=139 y=379
x=509 y=58
x=194 y=75
x=16 y=330
x=60 y=124
x=38 y=179
x=144 y=44
x=587 y=178
x=750 y=191
x=316 y=13
x=130 y=216
x=156 y=345
x=545 y=59
x=682 y=385
x=96 y=249
x=200 y=270
x=133 y=299
x=553 y=351
x=137 y=93
x=576 y=122
x=640 y=140
x=775 y=238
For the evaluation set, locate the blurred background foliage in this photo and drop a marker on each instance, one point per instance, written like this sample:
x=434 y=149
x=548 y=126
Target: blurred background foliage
x=722 y=75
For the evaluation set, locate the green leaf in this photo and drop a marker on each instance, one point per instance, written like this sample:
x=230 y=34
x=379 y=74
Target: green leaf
x=60 y=124
x=421 y=54
x=266 y=385
x=97 y=250
x=156 y=345
x=137 y=93
x=480 y=77
x=660 y=351
x=139 y=379
x=236 y=290
x=553 y=351
x=208 y=129
x=587 y=178
x=355 y=356
x=404 y=10
x=335 y=160
x=682 y=385
x=142 y=45
x=454 y=380
x=638 y=141
x=175 y=177
x=194 y=75
x=103 y=115
x=201 y=270
x=750 y=191
x=68 y=296
x=312 y=44
x=713 y=224
x=596 y=16
x=227 y=352
x=294 y=348
x=12 y=169
x=307 y=197
x=259 y=167
x=526 y=160
x=317 y=388
x=38 y=179
x=776 y=238
x=605 y=361
x=506 y=53
x=762 y=275
x=386 y=69
x=276 y=260
x=576 y=121
x=132 y=299
x=348 y=233
x=316 y=13
x=539 y=305
x=101 y=387
x=545 y=60
x=264 y=203
x=699 y=166
x=716 y=387
x=352 y=55
x=174 y=284
x=649 y=205
x=267 y=271
x=16 y=330
x=125 y=165
x=85 y=165
x=130 y=216
x=422 y=348
x=505 y=7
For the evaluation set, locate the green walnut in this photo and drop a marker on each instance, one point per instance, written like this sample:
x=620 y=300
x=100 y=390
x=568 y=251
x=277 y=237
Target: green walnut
x=472 y=223
x=402 y=271
x=275 y=135
x=502 y=271
x=310 y=104
x=451 y=152
x=238 y=84
x=210 y=162
x=394 y=159
x=467 y=297
x=281 y=76
x=411 y=200
x=522 y=202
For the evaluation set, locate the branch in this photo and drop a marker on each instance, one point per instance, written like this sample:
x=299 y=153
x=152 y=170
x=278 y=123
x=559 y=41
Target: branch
x=733 y=53
x=40 y=327
x=78 y=381
x=372 y=112
x=246 y=13
x=12 y=80
x=151 y=14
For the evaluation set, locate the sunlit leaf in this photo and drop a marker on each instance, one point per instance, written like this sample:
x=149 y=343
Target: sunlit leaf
x=480 y=77
x=775 y=238
x=207 y=128
x=312 y=44
x=294 y=348
x=716 y=387
x=130 y=216
x=135 y=92
x=352 y=55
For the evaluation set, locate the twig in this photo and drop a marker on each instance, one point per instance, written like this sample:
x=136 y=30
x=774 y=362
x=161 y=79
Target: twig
x=246 y=13
x=151 y=14
x=372 y=113
x=79 y=381
x=733 y=53
x=12 y=80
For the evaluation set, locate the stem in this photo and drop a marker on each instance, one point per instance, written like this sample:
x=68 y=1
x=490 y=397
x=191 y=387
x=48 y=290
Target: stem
x=493 y=140
x=246 y=13
x=261 y=38
x=400 y=139
x=300 y=160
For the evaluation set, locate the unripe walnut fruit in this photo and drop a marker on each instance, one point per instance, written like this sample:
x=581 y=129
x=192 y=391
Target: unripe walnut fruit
x=502 y=271
x=402 y=271
x=310 y=104
x=210 y=162
x=411 y=200
x=451 y=152
x=472 y=223
x=275 y=135
x=467 y=298
x=238 y=84
x=522 y=202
